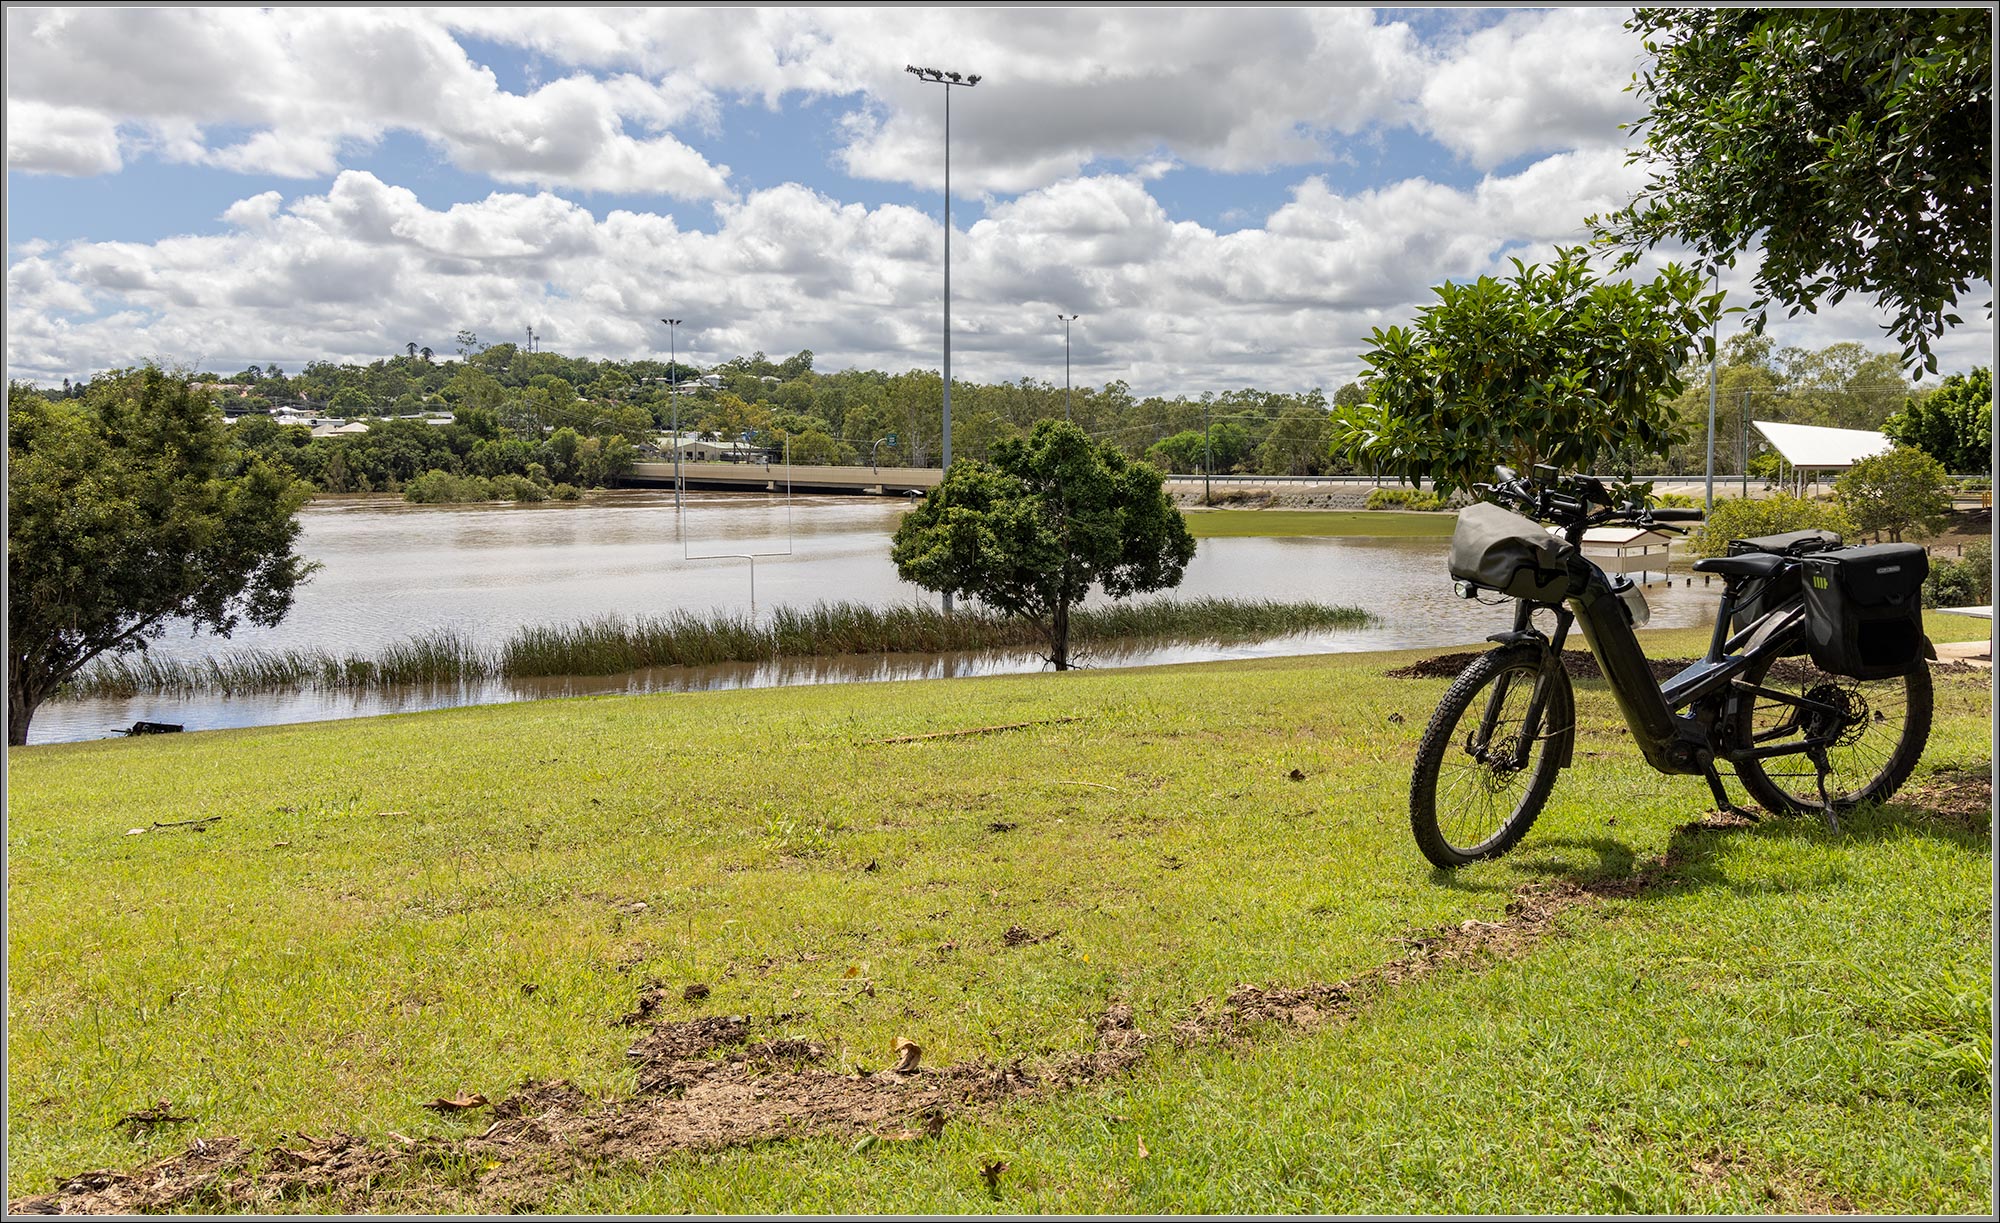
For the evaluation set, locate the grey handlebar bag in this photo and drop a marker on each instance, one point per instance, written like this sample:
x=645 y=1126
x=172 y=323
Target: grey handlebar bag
x=1501 y=550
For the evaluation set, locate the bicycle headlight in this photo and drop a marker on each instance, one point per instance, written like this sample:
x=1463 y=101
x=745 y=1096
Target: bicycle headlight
x=1463 y=589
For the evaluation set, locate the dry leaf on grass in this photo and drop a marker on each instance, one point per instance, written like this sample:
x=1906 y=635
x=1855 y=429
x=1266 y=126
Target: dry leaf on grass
x=457 y=1104
x=908 y=1054
x=991 y=1172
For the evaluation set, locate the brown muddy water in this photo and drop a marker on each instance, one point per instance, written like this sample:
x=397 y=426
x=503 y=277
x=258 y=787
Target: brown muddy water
x=392 y=570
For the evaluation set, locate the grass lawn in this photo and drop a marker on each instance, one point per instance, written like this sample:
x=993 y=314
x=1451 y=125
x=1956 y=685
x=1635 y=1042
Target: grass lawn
x=392 y=910
x=1231 y=524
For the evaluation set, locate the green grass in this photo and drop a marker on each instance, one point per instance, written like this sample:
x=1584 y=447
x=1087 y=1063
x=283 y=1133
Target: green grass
x=1232 y=524
x=1767 y=1032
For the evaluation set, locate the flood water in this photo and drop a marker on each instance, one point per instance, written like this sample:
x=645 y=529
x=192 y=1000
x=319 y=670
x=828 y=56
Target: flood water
x=392 y=570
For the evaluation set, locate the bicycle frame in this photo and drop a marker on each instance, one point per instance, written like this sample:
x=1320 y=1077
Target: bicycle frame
x=1672 y=741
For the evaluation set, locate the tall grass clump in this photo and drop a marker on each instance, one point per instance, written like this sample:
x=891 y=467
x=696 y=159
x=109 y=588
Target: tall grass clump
x=443 y=656
x=614 y=645
x=1209 y=618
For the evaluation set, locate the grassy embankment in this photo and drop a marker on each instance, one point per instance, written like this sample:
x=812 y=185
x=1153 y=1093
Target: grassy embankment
x=395 y=909
x=615 y=645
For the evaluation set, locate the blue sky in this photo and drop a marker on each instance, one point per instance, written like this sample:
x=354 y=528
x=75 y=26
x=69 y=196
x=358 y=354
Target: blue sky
x=1229 y=197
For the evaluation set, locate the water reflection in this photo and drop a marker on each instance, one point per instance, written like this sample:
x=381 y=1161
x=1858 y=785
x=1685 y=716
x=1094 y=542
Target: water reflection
x=391 y=570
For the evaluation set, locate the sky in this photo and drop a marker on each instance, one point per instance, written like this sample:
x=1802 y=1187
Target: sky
x=1226 y=197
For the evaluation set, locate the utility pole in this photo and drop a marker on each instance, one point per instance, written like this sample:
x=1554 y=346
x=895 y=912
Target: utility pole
x=1067 y=320
x=674 y=401
x=1743 y=442
x=1207 y=455
x=938 y=76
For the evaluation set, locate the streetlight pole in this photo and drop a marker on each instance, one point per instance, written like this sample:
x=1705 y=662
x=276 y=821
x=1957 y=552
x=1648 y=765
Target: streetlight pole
x=1066 y=320
x=674 y=401
x=938 y=76
x=1709 y=504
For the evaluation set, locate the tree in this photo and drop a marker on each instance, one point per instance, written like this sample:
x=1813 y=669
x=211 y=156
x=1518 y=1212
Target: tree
x=1550 y=366
x=1954 y=423
x=1902 y=489
x=122 y=518
x=1852 y=145
x=1297 y=443
x=1032 y=532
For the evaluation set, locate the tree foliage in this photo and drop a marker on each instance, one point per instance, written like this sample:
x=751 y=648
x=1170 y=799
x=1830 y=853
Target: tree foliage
x=1030 y=533
x=1553 y=365
x=1852 y=145
x=1901 y=489
x=129 y=509
x=1953 y=424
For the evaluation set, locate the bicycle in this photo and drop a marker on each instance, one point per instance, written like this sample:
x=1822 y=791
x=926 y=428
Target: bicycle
x=1814 y=686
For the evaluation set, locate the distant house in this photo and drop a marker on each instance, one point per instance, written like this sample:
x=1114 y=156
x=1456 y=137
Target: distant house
x=697 y=450
x=330 y=429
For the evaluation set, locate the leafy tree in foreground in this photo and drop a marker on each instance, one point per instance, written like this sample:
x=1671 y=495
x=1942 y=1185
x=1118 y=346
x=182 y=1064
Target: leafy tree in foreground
x=1954 y=423
x=1852 y=146
x=122 y=518
x=1552 y=365
x=1032 y=532
x=1901 y=489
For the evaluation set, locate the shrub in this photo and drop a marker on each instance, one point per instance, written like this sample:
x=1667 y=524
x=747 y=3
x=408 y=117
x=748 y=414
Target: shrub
x=1676 y=501
x=1748 y=517
x=437 y=487
x=1964 y=582
x=1405 y=499
x=566 y=492
x=1900 y=490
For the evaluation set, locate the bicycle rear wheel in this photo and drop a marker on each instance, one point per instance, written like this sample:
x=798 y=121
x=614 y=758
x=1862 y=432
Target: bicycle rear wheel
x=1871 y=748
x=1474 y=795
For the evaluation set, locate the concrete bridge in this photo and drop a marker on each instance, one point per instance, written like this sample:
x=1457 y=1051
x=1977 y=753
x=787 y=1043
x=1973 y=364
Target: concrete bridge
x=804 y=478
x=909 y=481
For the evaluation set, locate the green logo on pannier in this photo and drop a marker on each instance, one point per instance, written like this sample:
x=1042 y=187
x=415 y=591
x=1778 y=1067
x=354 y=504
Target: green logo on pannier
x=1819 y=581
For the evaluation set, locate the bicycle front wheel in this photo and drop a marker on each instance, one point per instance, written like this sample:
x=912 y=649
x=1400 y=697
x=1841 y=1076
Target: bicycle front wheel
x=1483 y=774
x=1872 y=744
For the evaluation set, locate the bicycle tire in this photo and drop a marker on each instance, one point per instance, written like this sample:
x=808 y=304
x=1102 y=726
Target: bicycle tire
x=1868 y=767
x=1443 y=749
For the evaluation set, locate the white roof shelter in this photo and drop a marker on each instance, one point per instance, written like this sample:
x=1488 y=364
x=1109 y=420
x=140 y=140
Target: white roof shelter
x=1819 y=448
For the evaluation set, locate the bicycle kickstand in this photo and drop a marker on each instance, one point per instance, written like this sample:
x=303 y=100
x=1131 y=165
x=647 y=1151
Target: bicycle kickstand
x=1821 y=767
x=1722 y=802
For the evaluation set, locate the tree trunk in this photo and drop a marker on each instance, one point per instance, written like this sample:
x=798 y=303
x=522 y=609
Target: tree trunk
x=1059 y=636
x=20 y=710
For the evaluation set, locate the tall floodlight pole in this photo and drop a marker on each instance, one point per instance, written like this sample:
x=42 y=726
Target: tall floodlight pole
x=674 y=401
x=1709 y=505
x=1066 y=320
x=938 y=76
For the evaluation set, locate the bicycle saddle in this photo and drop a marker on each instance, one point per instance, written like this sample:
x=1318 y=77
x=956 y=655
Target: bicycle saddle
x=1748 y=565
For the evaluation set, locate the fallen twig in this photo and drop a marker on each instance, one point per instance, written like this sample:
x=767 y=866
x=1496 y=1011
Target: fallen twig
x=203 y=822
x=975 y=730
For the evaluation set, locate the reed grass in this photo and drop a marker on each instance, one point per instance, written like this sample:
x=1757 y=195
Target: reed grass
x=614 y=645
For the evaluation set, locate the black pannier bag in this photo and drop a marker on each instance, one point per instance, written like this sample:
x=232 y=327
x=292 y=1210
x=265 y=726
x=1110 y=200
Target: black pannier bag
x=1783 y=586
x=1865 y=611
x=1500 y=550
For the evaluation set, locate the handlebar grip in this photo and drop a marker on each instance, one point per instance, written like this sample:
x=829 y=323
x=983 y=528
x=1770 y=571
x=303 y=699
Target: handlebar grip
x=1674 y=515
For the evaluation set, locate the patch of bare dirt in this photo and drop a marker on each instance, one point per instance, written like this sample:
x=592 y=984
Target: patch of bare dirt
x=544 y=1133
x=1961 y=798
x=1578 y=663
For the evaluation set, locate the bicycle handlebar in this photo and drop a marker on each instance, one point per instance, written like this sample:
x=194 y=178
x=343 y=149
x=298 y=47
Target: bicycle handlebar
x=1568 y=500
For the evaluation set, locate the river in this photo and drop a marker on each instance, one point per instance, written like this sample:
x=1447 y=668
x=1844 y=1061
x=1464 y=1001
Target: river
x=390 y=570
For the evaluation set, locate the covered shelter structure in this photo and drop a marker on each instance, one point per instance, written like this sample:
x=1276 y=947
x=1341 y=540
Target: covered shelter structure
x=1812 y=451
